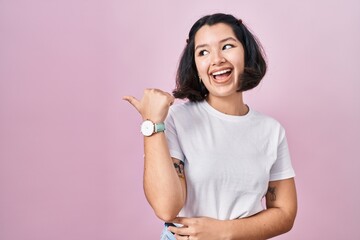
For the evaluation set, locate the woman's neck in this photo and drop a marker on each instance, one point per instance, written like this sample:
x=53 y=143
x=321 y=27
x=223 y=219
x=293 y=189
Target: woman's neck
x=231 y=105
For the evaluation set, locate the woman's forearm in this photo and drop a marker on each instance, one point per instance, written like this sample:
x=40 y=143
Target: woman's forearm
x=162 y=185
x=266 y=224
x=278 y=218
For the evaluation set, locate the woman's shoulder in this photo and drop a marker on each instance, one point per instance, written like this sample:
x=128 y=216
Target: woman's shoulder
x=266 y=119
x=185 y=111
x=183 y=106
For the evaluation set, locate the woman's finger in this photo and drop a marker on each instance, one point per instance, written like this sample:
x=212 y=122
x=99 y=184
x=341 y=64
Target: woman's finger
x=181 y=220
x=178 y=237
x=172 y=99
x=179 y=230
x=133 y=101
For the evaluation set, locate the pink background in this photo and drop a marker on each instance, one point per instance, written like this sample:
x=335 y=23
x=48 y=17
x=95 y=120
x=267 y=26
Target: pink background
x=70 y=148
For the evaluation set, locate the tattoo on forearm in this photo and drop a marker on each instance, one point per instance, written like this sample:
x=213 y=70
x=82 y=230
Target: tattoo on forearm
x=179 y=167
x=271 y=192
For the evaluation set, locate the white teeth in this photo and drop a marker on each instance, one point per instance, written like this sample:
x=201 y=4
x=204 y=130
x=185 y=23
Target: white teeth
x=221 y=72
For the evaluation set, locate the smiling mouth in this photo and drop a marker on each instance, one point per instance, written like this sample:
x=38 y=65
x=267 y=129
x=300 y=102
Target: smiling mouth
x=221 y=76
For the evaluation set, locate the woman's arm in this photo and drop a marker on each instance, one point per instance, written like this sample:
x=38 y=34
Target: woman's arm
x=277 y=219
x=164 y=185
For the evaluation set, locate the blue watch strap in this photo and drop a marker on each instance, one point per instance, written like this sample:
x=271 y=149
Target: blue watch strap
x=159 y=127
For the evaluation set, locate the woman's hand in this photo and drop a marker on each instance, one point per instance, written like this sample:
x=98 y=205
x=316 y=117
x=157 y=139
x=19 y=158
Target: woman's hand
x=202 y=228
x=154 y=104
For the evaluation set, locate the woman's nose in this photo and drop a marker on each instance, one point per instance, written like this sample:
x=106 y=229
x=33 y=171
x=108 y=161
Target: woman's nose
x=218 y=58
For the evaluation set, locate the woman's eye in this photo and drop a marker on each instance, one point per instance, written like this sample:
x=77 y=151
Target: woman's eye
x=203 y=53
x=228 y=46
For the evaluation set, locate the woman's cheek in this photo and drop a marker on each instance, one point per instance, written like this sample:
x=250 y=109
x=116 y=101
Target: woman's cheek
x=203 y=67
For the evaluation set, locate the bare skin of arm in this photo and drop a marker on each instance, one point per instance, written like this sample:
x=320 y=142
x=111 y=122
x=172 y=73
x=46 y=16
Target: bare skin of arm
x=277 y=219
x=164 y=183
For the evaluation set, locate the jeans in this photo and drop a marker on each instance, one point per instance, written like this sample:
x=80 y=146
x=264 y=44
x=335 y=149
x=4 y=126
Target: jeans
x=166 y=234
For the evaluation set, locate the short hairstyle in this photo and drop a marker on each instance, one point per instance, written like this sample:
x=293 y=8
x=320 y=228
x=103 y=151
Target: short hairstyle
x=187 y=81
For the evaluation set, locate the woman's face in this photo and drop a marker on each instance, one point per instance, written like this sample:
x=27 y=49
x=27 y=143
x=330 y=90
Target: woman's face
x=219 y=58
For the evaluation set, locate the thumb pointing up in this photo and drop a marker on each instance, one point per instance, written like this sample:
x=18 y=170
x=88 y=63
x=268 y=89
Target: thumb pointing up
x=133 y=101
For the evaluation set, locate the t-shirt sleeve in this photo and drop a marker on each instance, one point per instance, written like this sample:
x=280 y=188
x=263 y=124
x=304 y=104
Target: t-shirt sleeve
x=282 y=167
x=173 y=138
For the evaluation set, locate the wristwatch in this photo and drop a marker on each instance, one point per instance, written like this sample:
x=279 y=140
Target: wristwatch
x=148 y=128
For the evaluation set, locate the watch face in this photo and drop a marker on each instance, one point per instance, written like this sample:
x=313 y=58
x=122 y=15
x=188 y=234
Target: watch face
x=147 y=128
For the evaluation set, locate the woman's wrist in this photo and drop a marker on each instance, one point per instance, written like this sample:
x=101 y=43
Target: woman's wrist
x=226 y=233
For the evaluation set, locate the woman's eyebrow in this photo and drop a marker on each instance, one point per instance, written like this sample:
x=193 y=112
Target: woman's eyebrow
x=221 y=41
x=229 y=38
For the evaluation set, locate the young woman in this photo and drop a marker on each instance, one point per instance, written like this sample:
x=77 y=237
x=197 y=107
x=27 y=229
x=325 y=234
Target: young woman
x=218 y=158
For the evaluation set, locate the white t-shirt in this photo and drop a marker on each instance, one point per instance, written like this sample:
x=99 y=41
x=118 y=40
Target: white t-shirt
x=229 y=160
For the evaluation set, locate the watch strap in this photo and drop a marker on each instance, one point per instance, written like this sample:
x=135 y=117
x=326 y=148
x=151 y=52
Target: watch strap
x=159 y=127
